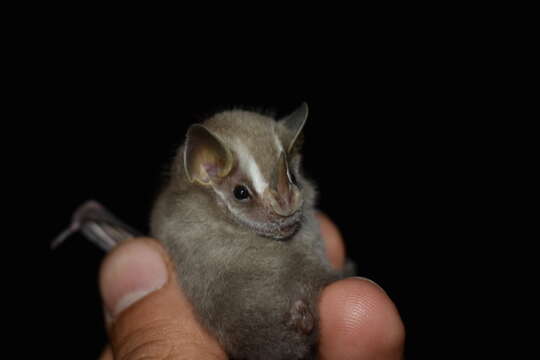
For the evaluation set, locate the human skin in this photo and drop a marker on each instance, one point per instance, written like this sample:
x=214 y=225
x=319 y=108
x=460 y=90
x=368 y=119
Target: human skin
x=358 y=319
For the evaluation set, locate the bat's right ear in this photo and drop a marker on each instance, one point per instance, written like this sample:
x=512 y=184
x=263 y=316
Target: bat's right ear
x=294 y=123
x=205 y=156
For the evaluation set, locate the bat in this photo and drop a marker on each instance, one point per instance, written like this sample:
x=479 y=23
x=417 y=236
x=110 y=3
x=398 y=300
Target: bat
x=237 y=217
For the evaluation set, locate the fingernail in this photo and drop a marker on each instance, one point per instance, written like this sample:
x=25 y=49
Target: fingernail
x=130 y=273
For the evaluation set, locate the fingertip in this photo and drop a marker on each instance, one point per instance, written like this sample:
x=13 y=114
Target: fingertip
x=359 y=321
x=131 y=271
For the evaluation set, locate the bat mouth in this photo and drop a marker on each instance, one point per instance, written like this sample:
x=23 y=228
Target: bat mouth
x=280 y=228
x=287 y=231
x=283 y=229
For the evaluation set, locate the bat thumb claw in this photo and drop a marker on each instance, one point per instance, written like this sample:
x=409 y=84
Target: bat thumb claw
x=98 y=225
x=73 y=228
x=76 y=222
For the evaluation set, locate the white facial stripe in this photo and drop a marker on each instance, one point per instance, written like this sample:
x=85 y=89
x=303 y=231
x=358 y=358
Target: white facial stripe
x=248 y=164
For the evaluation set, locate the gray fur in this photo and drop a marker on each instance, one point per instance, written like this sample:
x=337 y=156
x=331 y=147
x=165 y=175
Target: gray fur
x=257 y=294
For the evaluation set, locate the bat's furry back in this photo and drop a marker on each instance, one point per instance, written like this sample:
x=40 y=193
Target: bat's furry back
x=257 y=294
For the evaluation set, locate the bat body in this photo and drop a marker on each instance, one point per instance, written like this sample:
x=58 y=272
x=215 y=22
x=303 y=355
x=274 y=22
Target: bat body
x=238 y=219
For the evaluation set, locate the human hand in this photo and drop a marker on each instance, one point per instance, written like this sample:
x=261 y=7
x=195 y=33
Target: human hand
x=148 y=316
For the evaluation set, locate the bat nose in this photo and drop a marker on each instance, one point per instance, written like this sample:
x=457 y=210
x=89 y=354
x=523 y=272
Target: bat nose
x=284 y=197
x=285 y=204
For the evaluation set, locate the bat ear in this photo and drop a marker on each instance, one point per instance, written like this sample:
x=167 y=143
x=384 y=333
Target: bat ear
x=293 y=125
x=205 y=156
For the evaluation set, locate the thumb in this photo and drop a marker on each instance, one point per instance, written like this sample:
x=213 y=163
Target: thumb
x=147 y=314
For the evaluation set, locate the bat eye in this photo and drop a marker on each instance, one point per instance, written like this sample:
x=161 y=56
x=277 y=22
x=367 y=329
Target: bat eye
x=241 y=192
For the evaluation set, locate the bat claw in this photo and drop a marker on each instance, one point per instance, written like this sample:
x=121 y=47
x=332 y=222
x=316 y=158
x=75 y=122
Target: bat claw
x=98 y=225
x=73 y=228
x=76 y=222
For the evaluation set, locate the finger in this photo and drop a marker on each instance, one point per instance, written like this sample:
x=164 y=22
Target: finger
x=147 y=313
x=359 y=321
x=335 y=248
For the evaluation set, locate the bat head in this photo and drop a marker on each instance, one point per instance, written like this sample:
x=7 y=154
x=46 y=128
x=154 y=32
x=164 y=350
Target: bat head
x=250 y=164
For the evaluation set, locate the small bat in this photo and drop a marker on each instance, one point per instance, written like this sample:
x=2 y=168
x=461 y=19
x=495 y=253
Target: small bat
x=237 y=217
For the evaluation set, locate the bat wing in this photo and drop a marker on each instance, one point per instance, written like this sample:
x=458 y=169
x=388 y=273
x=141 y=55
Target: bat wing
x=99 y=225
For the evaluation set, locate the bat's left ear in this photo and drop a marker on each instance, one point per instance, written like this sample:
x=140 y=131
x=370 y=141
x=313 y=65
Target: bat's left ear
x=292 y=126
x=205 y=156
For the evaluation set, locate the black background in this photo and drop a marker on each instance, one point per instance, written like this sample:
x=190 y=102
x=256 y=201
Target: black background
x=387 y=142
